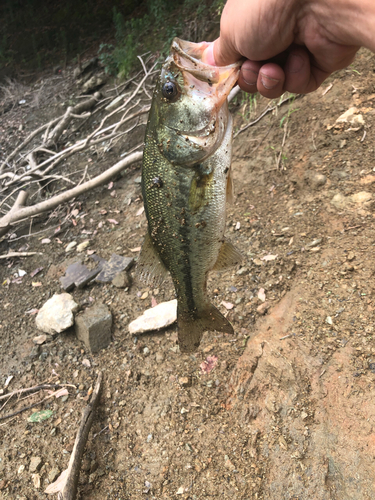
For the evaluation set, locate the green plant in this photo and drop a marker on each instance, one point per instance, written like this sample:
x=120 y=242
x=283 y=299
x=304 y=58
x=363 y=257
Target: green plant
x=290 y=111
x=105 y=54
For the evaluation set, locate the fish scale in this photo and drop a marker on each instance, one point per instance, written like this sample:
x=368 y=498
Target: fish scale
x=184 y=200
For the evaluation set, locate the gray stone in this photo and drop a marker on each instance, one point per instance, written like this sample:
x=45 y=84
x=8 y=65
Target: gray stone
x=53 y=474
x=339 y=175
x=35 y=464
x=122 y=280
x=57 y=314
x=78 y=275
x=115 y=265
x=159 y=357
x=93 y=327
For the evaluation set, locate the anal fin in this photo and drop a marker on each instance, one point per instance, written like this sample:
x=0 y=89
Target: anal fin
x=150 y=268
x=228 y=256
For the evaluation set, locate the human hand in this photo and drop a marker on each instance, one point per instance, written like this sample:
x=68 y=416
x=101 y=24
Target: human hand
x=290 y=45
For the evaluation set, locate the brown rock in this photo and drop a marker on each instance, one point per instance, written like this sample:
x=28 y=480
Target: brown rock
x=93 y=327
x=122 y=280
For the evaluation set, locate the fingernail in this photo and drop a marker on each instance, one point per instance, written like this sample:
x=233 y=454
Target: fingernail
x=250 y=77
x=269 y=83
x=294 y=63
x=208 y=55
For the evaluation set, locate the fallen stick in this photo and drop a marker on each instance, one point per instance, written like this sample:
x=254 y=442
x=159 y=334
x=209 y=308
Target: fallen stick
x=35 y=388
x=26 y=212
x=19 y=254
x=37 y=403
x=67 y=483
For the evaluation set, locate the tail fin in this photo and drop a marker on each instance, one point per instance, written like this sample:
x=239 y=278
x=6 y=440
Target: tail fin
x=192 y=326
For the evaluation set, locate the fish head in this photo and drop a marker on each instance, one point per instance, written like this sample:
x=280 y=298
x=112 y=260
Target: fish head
x=190 y=104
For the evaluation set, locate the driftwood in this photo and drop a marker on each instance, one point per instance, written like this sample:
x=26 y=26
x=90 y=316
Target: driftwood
x=66 y=485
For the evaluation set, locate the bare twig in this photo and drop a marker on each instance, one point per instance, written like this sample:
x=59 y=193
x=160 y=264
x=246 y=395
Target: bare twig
x=22 y=213
x=267 y=110
x=19 y=254
x=35 y=388
x=26 y=142
x=27 y=407
x=67 y=486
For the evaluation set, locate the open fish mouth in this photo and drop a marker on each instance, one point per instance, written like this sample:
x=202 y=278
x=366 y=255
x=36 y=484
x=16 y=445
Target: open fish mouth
x=201 y=78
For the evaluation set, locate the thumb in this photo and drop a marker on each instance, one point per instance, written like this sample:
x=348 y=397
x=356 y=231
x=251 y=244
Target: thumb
x=219 y=53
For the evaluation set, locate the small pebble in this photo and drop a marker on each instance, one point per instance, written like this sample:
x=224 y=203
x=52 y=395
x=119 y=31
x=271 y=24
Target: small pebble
x=71 y=245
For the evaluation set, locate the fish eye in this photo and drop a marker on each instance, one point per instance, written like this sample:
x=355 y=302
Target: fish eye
x=169 y=90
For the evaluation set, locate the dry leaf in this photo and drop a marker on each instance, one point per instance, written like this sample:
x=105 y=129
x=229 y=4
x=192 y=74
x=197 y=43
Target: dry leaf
x=40 y=339
x=269 y=257
x=32 y=311
x=140 y=211
x=153 y=302
x=59 y=393
x=36 y=283
x=136 y=249
x=36 y=271
x=227 y=305
x=58 y=485
x=112 y=221
x=110 y=185
x=209 y=364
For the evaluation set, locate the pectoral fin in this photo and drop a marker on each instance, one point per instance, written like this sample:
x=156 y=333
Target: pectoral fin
x=230 y=187
x=198 y=190
x=228 y=256
x=150 y=268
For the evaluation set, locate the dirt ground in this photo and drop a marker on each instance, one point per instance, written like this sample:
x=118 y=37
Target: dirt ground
x=288 y=412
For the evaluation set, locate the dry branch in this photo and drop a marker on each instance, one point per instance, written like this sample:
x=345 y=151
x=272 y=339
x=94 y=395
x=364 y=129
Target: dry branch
x=23 y=213
x=11 y=255
x=67 y=484
x=35 y=388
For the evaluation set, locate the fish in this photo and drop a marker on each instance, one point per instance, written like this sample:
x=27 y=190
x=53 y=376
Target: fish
x=186 y=181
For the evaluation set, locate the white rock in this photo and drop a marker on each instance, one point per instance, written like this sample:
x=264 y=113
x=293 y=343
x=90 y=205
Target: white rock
x=352 y=116
x=82 y=246
x=57 y=314
x=71 y=245
x=361 y=198
x=160 y=316
x=339 y=201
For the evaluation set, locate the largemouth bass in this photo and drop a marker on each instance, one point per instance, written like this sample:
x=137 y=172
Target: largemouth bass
x=185 y=180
